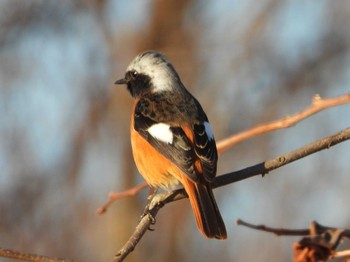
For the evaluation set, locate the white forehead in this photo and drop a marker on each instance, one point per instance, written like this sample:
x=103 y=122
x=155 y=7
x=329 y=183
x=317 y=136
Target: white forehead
x=157 y=67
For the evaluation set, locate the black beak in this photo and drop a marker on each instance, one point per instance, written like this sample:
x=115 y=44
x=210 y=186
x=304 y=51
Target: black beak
x=120 y=82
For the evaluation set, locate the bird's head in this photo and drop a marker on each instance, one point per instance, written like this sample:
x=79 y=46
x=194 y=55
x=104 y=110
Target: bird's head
x=150 y=71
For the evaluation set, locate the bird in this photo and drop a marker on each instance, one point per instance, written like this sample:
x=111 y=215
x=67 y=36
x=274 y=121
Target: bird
x=172 y=141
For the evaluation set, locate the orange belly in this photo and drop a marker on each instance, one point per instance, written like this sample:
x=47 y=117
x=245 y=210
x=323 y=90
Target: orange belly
x=156 y=169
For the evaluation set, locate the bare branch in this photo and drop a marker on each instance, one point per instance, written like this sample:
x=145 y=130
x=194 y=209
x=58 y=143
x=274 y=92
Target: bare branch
x=9 y=253
x=276 y=231
x=314 y=229
x=318 y=104
x=147 y=220
x=140 y=230
x=267 y=166
x=262 y=168
x=115 y=196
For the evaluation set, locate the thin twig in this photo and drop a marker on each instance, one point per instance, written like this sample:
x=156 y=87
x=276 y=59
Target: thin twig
x=9 y=253
x=314 y=229
x=318 y=104
x=140 y=230
x=276 y=231
x=115 y=196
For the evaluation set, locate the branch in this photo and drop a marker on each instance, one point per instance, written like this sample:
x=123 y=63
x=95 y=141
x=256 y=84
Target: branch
x=157 y=202
x=263 y=168
x=115 y=196
x=313 y=230
x=276 y=231
x=9 y=253
x=319 y=244
x=318 y=104
x=267 y=166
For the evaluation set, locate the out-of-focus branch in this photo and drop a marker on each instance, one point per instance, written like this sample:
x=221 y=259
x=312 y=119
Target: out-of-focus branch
x=319 y=244
x=343 y=253
x=115 y=196
x=262 y=168
x=314 y=229
x=318 y=104
x=9 y=253
x=276 y=231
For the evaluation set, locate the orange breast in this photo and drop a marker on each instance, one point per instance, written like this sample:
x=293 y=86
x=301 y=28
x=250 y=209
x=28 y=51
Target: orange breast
x=156 y=169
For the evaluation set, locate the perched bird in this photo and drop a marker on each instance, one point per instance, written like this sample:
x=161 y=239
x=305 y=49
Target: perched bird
x=172 y=141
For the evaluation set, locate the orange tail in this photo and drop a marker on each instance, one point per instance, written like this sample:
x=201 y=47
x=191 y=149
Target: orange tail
x=206 y=212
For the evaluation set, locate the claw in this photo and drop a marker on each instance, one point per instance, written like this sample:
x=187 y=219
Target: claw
x=146 y=211
x=153 y=222
x=151 y=218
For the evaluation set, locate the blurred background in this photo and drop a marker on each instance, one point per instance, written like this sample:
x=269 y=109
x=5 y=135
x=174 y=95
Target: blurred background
x=64 y=126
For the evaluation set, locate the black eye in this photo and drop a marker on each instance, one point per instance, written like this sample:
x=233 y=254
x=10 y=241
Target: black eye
x=132 y=75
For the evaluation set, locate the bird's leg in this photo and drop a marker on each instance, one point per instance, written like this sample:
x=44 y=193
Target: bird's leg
x=146 y=212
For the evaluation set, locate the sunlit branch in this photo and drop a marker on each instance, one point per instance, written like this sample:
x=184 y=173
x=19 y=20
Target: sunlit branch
x=318 y=104
x=115 y=196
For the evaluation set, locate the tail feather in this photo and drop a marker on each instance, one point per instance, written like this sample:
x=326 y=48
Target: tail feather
x=205 y=209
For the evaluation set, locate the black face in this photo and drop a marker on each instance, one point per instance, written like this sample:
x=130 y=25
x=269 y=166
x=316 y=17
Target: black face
x=137 y=83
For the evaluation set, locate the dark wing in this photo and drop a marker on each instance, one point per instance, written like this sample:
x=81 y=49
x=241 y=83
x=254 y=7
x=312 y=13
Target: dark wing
x=180 y=151
x=205 y=148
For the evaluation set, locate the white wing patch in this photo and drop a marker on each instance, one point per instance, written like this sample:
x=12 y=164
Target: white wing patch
x=208 y=130
x=161 y=132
